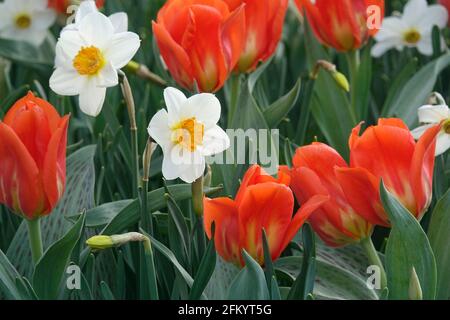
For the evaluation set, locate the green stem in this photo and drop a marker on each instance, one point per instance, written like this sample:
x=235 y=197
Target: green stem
x=197 y=196
x=129 y=100
x=34 y=234
x=374 y=259
x=151 y=270
x=234 y=96
x=354 y=61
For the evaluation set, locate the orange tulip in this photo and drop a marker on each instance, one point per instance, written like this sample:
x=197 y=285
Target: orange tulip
x=388 y=151
x=315 y=173
x=262 y=202
x=33 y=140
x=61 y=5
x=264 y=21
x=344 y=25
x=200 y=41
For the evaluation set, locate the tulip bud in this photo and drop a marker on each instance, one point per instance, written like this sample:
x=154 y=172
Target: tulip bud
x=103 y=242
x=415 y=290
x=33 y=139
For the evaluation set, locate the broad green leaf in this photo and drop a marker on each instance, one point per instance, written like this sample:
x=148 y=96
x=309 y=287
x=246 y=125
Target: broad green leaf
x=205 y=272
x=407 y=248
x=278 y=110
x=439 y=234
x=79 y=196
x=179 y=235
x=416 y=92
x=362 y=85
x=27 y=54
x=250 y=283
x=304 y=284
x=120 y=216
x=219 y=284
x=8 y=276
x=51 y=267
x=106 y=292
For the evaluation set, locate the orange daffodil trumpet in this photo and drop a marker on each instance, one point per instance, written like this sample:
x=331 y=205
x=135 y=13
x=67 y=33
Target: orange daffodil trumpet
x=200 y=41
x=188 y=133
x=262 y=202
x=345 y=25
x=385 y=152
x=411 y=30
x=33 y=139
x=88 y=56
x=264 y=25
x=25 y=20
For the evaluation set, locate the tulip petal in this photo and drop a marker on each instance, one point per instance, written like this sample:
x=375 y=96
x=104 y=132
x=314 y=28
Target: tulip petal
x=223 y=212
x=20 y=185
x=54 y=171
x=303 y=214
x=267 y=206
x=175 y=57
x=361 y=189
x=233 y=35
x=422 y=168
x=202 y=43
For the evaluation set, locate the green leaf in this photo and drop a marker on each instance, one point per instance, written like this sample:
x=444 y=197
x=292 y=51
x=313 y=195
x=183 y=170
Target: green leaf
x=106 y=292
x=51 y=267
x=79 y=196
x=27 y=54
x=205 y=272
x=178 y=230
x=416 y=92
x=304 y=284
x=439 y=235
x=120 y=217
x=407 y=248
x=362 y=85
x=278 y=110
x=340 y=273
x=8 y=276
x=250 y=283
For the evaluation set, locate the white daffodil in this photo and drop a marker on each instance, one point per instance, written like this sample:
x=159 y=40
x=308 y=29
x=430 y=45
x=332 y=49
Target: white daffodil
x=413 y=29
x=119 y=20
x=431 y=115
x=25 y=20
x=187 y=133
x=87 y=60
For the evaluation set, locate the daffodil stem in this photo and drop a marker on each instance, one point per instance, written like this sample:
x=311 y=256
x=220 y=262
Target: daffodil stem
x=374 y=259
x=131 y=108
x=144 y=72
x=235 y=90
x=197 y=196
x=34 y=234
x=353 y=60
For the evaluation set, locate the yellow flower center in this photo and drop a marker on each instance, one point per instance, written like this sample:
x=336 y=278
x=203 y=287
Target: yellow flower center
x=446 y=126
x=412 y=36
x=188 y=133
x=89 y=61
x=23 y=21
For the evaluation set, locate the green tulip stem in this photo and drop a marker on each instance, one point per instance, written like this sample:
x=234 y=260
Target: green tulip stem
x=374 y=259
x=34 y=234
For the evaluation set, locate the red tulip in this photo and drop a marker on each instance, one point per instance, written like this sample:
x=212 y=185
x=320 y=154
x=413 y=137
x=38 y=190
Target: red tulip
x=388 y=151
x=446 y=4
x=315 y=173
x=344 y=24
x=61 y=5
x=262 y=202
x=33 y=140
x=264 y=21
x=200 y=41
